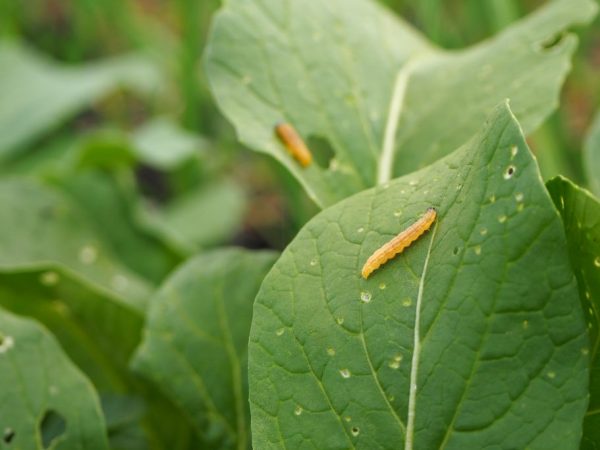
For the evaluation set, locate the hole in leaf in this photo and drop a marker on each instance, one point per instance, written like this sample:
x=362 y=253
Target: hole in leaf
x=552 y=41
x=52 y=427
x=455 y=251
x=9 y=435
x=321 y=149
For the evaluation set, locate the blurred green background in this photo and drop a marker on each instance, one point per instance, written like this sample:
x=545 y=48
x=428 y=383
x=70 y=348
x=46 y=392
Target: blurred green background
x=170 y=152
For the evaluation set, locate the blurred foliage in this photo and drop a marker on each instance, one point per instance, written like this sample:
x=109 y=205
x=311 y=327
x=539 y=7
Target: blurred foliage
x=146 y=167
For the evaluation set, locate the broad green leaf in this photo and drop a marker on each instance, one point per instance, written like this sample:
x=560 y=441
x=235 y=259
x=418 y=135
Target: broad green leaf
x=591 y=156
x=38 y=94
x=162 y=144
x=208 y=215
x=387 y=101
x=41 y=229
x=131 y=240
x=42 y=389
x=98 y=332
x=195 y=343
x=580 y=212
x=472 y=338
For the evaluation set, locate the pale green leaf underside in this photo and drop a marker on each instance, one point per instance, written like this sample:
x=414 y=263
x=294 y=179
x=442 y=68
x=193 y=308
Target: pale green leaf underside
x=195 y=344
x=329 y=68
x=591 y=156
x=41 y=229
x=37 y=378
x=38 y=94
x=503 y=344
x=581 y=218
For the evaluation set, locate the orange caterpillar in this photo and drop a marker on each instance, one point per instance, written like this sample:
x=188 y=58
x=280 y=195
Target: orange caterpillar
x=294 y=143
x=399 y=243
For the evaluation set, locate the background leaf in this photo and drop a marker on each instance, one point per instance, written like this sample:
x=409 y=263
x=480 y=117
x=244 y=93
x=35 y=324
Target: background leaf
x=472 y=338
x=195 y=343
x=42 y=230
x=38 y=94
x=580 y=212
x=349 y=72
x=591 y=156
x=208 y=215
x=43 y=395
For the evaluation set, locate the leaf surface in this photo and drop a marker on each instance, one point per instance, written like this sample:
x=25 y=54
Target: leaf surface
x=195 y=344
x=386 y=100
x=41 y=229
x=472 y=338
x=38 y=94
x=39 y=382
x=580 y=212
x=591 y=156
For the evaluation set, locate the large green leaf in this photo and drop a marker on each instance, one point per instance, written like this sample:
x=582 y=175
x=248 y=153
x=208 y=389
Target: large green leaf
x=386 y=100
x=162 y=144
x=581 y=218
x=41 y=229
x=472 y=338
x=591 y=156
x=38 y=94
x=41 y=389
x=203 y=217
x=195 y=344
x=130 y=239
x=98 y=331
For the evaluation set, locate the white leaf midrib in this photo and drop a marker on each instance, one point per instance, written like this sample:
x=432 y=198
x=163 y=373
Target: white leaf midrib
x=414 y=369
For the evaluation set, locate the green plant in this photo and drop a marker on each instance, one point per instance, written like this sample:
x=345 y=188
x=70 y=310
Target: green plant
x=126 y=324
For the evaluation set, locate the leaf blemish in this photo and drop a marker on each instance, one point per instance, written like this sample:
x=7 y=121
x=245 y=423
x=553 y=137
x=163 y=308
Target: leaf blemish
x=510 y=171
x=49 y=278
x=88 y=254
x=365 y=297
x=355 y=431
x=6 y=343
x=298 y=410
x=395 y=363
x=9 y=435
x=345 y=373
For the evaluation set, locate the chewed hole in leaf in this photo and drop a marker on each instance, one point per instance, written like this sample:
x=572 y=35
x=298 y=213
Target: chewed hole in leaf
x=9 y=435
x=551 y=42
x=509 y=172
x=355 y=431
x=52 y=427
x=321 y=150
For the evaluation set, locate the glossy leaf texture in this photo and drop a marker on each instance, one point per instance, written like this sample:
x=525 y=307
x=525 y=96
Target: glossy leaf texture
x=472 y=338
x=580 y=212
x=384 y=98
x=591 y=156
x=195 y=342
x=41 y=229
x=38 y=94
x=45 y=401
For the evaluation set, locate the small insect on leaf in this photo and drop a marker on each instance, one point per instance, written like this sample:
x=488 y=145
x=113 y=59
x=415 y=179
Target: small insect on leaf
x=294 y=143
x=399 y=243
